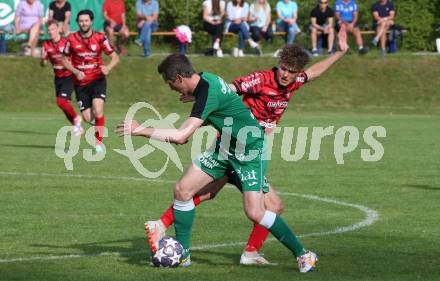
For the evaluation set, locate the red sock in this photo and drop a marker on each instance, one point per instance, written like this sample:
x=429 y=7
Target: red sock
x=67 y=108
x=99 y=128
x=168 y=217
x=256 y=239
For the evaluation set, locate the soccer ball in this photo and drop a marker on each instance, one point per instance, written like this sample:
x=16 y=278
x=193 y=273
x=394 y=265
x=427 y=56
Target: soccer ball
x=168 y=253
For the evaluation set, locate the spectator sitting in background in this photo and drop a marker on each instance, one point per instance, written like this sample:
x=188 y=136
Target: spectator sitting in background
x=346 y=12
x=60 y=10
x=213 y=12
x=147 y=14
x=237 y=12
x=29 y=19
x=287 y=12
x=383 y=18
x=260 y=19
x=321 y=19
x=114 y=16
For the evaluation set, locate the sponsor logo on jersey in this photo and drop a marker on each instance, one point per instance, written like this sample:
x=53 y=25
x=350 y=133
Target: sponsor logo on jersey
x=247 y=176
x=276 y=104
x=87 y=54
x=93 y=47
x=300 y=79
x=208 y=161
x=247 y=84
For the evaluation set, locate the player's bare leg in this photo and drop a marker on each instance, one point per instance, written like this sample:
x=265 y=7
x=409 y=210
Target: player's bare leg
x=255 y=210
x=251 y=254
x=87 y=115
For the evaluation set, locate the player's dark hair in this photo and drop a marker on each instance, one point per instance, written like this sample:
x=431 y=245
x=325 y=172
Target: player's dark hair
x=293 y=56
x=85 y=12
x=50 y=22
x=175 y=64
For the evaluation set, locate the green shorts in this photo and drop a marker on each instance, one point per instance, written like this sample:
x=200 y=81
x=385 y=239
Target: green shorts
x=252 y=174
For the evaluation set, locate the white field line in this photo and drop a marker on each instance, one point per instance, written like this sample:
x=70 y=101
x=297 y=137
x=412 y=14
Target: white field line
x=83 y=176
x=371 y=216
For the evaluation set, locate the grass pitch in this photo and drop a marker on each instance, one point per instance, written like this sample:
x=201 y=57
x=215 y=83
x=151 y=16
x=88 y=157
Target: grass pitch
x=86 y=224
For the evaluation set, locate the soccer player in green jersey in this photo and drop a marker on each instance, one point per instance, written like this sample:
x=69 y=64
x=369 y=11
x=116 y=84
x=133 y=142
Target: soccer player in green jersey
x=240 y=148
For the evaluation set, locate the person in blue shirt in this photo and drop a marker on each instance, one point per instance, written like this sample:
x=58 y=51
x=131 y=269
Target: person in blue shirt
x=383 y=18
x=287 y=12
x=346 y=13
x=147 y=12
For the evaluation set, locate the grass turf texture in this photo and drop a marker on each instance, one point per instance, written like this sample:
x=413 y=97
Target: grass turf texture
x=43 y=213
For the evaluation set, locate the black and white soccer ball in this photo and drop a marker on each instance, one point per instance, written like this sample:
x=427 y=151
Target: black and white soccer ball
x=168 y=253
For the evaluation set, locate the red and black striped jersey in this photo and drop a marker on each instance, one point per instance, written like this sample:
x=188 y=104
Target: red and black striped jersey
x=86 y=54
x=53 y=51
x=265 y=97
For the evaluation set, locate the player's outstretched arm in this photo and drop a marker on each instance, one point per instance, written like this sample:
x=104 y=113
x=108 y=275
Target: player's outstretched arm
x=319 y=68
x=177 y=136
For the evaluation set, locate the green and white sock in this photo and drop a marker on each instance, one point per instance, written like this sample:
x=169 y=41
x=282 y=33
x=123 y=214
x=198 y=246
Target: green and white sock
x=278 y=227
x=184 y=213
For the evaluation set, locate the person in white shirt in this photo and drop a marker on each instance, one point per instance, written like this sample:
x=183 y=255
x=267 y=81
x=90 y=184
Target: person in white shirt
x=213 y=13
x=237 y=12
x=260 y=21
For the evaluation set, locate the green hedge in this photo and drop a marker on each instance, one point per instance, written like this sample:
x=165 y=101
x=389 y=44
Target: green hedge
x=417 y=16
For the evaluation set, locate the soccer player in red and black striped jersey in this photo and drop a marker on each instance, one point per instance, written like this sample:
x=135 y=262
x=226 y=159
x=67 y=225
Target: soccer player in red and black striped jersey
x=52 y=50
x=85 y=48
x=267 y=93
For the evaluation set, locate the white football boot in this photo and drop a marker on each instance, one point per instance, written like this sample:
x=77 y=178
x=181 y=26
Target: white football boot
x=185 y=262
x=155 y=230
x=254 y=257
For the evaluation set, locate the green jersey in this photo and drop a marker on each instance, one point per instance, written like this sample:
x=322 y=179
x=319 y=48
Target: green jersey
x=217 y=104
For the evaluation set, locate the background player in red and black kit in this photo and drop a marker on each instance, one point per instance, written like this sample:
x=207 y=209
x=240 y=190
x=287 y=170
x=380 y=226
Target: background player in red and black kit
x=85 y=48
x=267 y=93
x=52 y=50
